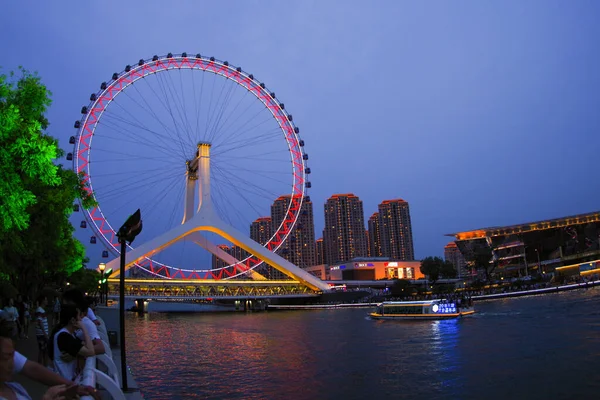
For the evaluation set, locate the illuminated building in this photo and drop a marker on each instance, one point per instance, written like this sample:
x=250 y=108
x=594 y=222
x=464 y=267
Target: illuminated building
x=216 y=261
x=299 y=247
x=374 y=235
x=453 y=254
x=396 y=230
x=375 y=268
x=344 y=234
x=261 y=231
x=566 y=245
x=320 y=256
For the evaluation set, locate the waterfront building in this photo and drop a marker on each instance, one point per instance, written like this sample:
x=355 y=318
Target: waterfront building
x=320 y=250
x=396 y=230
x=344 y=235
x=453 y=255
x=299 y=247
x=374 y=236
x=566 y=245
x=216 y=261
x=375 y=268
x=261 y=231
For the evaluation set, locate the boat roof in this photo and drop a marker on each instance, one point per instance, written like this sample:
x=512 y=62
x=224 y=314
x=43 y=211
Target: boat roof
x=420 y=302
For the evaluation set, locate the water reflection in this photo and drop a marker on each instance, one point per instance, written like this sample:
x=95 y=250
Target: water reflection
x=503 y=352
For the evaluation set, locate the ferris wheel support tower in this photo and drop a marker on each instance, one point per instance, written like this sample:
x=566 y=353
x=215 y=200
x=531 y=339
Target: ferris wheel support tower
x=204 y=218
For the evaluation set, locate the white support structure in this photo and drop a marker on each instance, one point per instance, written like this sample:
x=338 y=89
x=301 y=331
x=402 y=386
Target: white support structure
x=205 y=219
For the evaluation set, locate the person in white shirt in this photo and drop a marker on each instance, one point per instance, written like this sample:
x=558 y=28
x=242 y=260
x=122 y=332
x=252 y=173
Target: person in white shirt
x=12 y=362
x=12 y=316
x=65 y=347
x=75 y=297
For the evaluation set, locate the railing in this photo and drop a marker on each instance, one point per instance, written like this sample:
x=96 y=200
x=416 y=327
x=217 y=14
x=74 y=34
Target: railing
x=91 y=376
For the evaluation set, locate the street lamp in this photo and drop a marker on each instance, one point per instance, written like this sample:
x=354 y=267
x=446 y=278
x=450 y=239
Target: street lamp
x=127 y=233
x=101 y=268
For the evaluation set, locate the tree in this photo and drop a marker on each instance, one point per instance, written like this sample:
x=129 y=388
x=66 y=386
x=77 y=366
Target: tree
x=36 y=198
x=432 y=267
x=448 y=270
x=401 y=288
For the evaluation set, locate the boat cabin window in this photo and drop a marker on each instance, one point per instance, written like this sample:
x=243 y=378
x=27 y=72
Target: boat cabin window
x=400 y=309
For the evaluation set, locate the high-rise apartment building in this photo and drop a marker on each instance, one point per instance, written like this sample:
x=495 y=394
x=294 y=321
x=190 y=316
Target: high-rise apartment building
x=374 y=236
x=344 y=235
x=216 y=261
x=395 y=230
x=453 y=254
x=261 y=230
x=299 y=247
x=320 y=252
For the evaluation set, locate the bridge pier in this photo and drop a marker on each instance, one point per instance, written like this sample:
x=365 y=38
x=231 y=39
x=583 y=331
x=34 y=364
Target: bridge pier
x=141 y=306
x=255 y=305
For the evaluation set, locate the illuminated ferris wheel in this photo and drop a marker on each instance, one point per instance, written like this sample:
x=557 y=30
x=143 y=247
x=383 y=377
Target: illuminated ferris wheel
x=140 y=132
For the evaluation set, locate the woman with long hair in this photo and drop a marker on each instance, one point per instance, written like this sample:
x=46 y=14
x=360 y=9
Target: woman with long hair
x=64 y=347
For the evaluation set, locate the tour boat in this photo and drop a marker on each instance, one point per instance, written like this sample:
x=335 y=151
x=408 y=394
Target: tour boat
x=428 y=309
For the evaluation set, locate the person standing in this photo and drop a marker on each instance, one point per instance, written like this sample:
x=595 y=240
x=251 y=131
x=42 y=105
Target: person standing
x=42 y=332
x=12 y=316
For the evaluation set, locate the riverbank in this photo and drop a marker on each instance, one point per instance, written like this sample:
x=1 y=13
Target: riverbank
x=533 y=292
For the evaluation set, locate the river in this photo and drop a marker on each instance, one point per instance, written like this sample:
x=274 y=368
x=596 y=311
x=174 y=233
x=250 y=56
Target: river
x=539 y=347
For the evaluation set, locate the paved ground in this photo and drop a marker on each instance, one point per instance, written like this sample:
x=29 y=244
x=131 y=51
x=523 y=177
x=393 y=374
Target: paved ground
x=29 y=348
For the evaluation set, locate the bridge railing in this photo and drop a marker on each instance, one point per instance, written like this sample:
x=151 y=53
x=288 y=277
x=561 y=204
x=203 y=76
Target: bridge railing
x=92 y=377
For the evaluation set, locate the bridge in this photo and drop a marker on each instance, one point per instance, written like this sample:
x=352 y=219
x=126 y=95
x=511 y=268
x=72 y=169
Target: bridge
x=209 y=288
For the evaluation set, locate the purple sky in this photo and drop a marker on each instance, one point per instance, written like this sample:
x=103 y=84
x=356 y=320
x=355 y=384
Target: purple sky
x=476 y=113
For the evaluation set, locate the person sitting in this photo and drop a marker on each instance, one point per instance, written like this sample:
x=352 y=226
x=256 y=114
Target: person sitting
x=9 y=359
x=75 y=297
x=65 y=347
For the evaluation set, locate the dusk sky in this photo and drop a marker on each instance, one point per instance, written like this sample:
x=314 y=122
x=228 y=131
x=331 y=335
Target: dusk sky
x=477 y=113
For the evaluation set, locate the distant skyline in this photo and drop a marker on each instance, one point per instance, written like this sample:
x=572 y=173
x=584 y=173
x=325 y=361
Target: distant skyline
x=476 y=113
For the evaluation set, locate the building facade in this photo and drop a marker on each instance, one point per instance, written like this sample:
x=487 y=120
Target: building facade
x=396 y=230
x=453 y=255
x=344 y=234
x=375 y=268
x=299 y=247
x=216 y=261
x=320 y=252
x=374 y=236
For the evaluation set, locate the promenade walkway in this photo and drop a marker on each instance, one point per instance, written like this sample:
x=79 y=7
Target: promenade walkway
x=29 y=348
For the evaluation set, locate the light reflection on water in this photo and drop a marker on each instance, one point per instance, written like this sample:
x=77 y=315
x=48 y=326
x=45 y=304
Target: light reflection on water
x=510 y=349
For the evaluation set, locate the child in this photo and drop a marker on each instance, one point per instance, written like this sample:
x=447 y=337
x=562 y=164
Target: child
x=41 y=330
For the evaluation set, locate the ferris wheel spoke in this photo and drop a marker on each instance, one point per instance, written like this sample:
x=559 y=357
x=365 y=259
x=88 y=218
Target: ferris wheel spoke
x=247 y=143
x=223 y=109
x=138 y=123
x=209 y=113
x=152 y=145
x=189 y=129
x=126 y=202
x=170 y=111
x=248 y=185
x=113 y=119
x=217 y=203
x=139 y=183
x=227 y=128
x=111 y=151
x=243 y=130
x=232 y=206
x=197 y=104
x=179 y=107
x=156 y=201
x=152 y=113
x=221 y=128
x=236 y=171
x=130 y=171
x=159 y=98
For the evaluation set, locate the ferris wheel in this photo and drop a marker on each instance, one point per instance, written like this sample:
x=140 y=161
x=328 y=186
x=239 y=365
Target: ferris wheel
x=140 y=131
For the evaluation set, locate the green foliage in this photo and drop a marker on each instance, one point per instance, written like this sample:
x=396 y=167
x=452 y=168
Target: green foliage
x=448 y=271
x=37 y=246
x=85 y=279
x=26 y=153
x=432 y=267
x=401 y=287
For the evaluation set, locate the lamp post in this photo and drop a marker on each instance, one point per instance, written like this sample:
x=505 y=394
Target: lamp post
x=101 y=268
x=539 y=263
x=127 y=233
